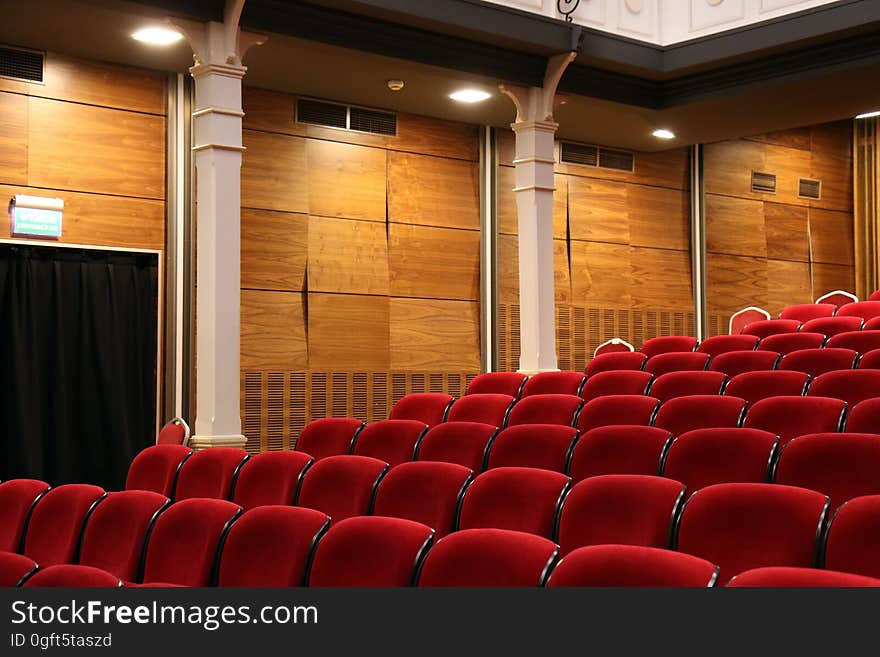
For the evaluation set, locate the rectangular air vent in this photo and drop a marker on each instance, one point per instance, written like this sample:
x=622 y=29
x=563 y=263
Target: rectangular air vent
x=579 y=154
x=809 y=188
x=763 y=183
x=21 y=64
x=617 y=160
x=335 y=115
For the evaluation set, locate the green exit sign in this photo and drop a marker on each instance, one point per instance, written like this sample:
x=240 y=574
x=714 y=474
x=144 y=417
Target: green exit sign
x=35 y=216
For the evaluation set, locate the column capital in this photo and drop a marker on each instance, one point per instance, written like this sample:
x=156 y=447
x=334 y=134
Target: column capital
x=535 y=104
x=221 y=45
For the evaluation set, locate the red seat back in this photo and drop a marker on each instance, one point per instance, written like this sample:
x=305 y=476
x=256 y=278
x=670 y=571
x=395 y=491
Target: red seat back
x=721 y=344
x=864 y=417
x=618 y=449
x=818 y=361
x=329 y=436
x=554 y=383
x=392 y=441
x=14 y=568
x=67 y=576
x=864 y=309
x=501 y=383
x=781 y=577
x=804 y=312
x=209 y=473
x=737 y=362
x=676 y=362
x=681 y=384
x=341 y=486
x=17 y=497
x=270 y=478
x=157 y=468
x=485 y=408
x=427 y=407
x=56 y=522
x=785 y=343
x=616 y=382
x=853 y=541
x=789 y=417
x=831 y=326
x=764 y=327
x=546 y=409
x=755 y=386
x=546 y=446
x=700 y=412
x=465 y=443
x=852 y=386
x=860 y=341
x=624 y=360
x=665 y=344
x=617 y=409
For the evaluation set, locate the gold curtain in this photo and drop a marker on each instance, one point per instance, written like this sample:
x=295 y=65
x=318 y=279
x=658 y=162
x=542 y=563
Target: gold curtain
x=866 y=187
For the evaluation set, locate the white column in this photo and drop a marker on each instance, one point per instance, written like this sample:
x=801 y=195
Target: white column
x=217 y=149
x=535 y=160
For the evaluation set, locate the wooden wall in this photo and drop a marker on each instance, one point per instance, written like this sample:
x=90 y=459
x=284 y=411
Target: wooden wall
x=94 y=135
x=360 y=267
x=772 y=250
x=622 y=255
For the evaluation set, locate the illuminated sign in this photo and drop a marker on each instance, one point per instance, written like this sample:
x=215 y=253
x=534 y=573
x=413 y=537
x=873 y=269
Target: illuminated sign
x=35 y=216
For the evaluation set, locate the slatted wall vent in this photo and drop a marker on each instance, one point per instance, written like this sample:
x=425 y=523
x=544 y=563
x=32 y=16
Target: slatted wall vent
x=763 y=183
x=21 y=64
x=335 y=115
x=809 y=188
x=594 y=156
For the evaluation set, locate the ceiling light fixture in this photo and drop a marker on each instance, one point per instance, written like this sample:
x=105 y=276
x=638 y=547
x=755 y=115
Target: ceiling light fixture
x=868 y=115
x=469 y=95
x=663 y=133
x=157 y=36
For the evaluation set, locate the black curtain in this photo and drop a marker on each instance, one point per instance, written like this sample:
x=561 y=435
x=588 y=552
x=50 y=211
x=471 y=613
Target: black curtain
x=77 y=362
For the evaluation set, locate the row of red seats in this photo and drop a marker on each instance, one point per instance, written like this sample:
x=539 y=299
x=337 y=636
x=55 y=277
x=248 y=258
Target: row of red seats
x=135 y=536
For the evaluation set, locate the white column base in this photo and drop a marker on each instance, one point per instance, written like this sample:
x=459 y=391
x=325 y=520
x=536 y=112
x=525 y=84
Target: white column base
x=204 y=442
x=533 y=372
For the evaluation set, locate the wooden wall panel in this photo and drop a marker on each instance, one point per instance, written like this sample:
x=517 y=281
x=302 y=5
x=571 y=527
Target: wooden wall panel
x=832 y=236
x=832 y=277
x=347 y=256
x=836 y=173
x=274 y=173
x=658 y=217
x=434 y=263
x=507 y=213
x=601 y=275
x=348 y=332
x=434 y=335
x=345 y=180
x=789 y=283
x=796 y=138
x=598 y=210
x=508 y=270
x=433 y=191
x=13 y=139
x=102 y=220
x=734 y=282
x=661 y=278
x=788 y=164
x=787 y=232
x=274 y=248
x=728 y=166
x=95 y=149
x=735 y=226
x=273 y=332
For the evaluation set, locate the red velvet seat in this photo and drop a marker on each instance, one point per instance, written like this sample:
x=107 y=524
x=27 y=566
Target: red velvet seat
x=831 y=326
x=157 y=468
x=175 y=432
x=342 y=486
x=618 y=449
x=804 y=312
x=546 y=409
x=864 y=417
x=818 y=361
x=742 y=318
x=872 y=324
x=840 y=465
x=14 y=568
x=53 y=532
x=764 y=327
x=485 y=408
x=329 y=436
x=721 y=344
x=17 y=497
x=67 y=576
x=700 y=412
x=631 y=565
x=682 y=384
x=785 y=343
x=209 y=473
x=677 y=362
x=875 y=296
x=860 y=341
x=853 y=541
x=183 y=544
x=616 y=382
x=623 y=360
x=837 y=298
x=521 y=499
x=465 y=443
x=621 y=509
x=271 y=546
x=497 y=383
x=704 y=457
x=489 y=558
x=755 y=386
x=270 y=478
x=614 y=345
x=392 y=441
x=742 y=526
x=737 y=362
x=791 y=416
x=852 y=386
x=429 y=492
x=546 y=446
x=870 y=360
x=427 y=407
x=665 y=344
x=116 y=531
x=864 y=309
x=554 y=383
x=617 y=409
x=782 y=577
x=370 y=551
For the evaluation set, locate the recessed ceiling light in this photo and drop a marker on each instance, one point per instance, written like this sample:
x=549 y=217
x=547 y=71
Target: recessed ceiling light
x=157 y=36
x=868 y=115
x=663 y=133
x=469 y=95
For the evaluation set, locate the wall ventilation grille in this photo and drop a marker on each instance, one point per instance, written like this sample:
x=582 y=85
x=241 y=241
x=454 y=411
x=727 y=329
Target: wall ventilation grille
x=595 y=156
x=21 y=64
x=334 y=115
x=763 y=183
x=809 y=188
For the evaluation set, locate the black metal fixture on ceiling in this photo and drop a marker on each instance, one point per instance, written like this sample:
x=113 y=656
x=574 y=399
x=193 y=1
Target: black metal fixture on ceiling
x=567 y=8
